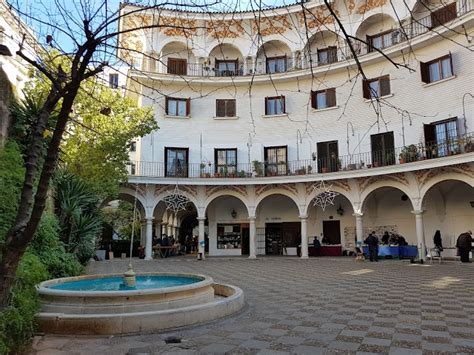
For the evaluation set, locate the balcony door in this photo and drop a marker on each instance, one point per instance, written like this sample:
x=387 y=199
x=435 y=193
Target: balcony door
x=276 y=160
x=226 y=67
x=328 y=157
x=177 y=66
x=176 y=162
x=441 y=138
x=383 y=149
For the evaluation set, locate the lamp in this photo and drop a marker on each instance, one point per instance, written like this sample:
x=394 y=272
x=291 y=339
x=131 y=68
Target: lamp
x=233 y=213
x=340 y=210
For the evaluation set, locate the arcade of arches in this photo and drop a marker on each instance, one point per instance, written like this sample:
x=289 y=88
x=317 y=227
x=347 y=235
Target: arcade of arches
x=275 y=218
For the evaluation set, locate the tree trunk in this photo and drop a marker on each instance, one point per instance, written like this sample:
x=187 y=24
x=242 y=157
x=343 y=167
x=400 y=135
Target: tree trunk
x=26 y=223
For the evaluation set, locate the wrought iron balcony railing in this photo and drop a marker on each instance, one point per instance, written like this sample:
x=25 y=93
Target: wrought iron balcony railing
x=367 y=160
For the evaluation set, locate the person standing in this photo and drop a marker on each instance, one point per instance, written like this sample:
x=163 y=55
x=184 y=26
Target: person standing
x=438 y=242
x=373 y=242
x=464 y=245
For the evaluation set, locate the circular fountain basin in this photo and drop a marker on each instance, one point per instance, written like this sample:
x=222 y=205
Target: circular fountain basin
x=101 y=304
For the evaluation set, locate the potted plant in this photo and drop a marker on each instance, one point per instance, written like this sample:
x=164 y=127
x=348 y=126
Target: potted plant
x=202 y=166
x=257 y=167
x=309 y=169
x=241 y=174
x=324 y=169
x=301 y=171
x=469 y=146
x=409 y=154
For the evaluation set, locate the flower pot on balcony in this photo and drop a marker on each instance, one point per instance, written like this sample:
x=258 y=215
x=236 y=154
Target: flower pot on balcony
x=401 y=160
x=324 y=170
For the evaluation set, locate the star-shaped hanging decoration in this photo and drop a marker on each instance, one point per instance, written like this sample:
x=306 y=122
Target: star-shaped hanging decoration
x=176 y=201
x=324 y=195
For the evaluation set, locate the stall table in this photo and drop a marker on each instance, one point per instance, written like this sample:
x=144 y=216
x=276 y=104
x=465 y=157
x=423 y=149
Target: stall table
x=395 y=251
x=164 y=251
x=325 y=250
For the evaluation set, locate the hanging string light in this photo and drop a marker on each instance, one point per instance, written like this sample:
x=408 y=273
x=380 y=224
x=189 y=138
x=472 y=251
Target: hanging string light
x=324 y=195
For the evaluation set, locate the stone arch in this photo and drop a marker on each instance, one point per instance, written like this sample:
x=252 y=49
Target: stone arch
x=167 y=44
x=273 y=48
x=224 y=193
x=322 y=39
x=339 y=190
x=374 y=23
x=299 y=204
x=441 y=178
x=387 y=184
x=159 y=198
x=128 y=194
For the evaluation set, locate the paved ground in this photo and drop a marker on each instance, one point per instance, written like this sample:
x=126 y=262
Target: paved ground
x=320 y=305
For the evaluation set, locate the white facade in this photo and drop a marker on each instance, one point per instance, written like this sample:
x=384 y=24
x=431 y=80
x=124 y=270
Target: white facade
x=371 y=181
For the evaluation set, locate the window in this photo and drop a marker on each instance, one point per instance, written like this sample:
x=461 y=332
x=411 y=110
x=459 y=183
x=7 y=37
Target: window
x=177 y=66
x=441 y=138
x=327 y=55
x=226 y=67
x=226 y=161
x=276 y=161
x=133 y=146
x=276 y=65
x=113 y=80
x=328 y=157
x=383 y=150
x=176 y=162
x=437 y=69
x=275 y=105
x=225 y=108
x=382 y=40
x=443 y=15
x=375 y=88
x=229 y=236
x=323 y=99
x=178 y=107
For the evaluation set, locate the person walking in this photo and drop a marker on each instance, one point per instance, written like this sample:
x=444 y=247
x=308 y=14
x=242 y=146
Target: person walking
x=464 y=245
x=438 y=242
x=373 y=242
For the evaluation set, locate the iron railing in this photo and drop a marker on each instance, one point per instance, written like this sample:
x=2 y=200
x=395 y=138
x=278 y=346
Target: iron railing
x=409 y=30
x=367 y=160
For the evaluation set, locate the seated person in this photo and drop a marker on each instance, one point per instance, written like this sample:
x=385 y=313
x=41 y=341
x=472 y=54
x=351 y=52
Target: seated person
x=316 y=243
x=385 y=238
x=141 y=252
x=393 y=239
x=325 y=240
x=402 y=241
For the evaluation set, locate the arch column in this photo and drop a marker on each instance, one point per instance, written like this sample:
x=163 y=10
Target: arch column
x=143 y=232
x=420 y=233
x=201 y=238
x=163 y=228
x=304 y=237
x=252 y=237
x=359 y=227
x=149 y=238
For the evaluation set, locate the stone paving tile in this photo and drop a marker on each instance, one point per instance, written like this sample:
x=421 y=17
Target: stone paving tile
x=319 y=306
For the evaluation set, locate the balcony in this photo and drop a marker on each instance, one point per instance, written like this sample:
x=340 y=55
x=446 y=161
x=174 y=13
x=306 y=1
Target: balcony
x=360 y=161
x=324 y=48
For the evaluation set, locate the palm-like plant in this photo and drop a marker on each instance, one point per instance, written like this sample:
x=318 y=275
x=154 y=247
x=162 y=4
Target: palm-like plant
x=79 y=216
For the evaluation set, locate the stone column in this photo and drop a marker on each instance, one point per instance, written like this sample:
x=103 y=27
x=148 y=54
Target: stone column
x=294 y=56
x=254 y=64
x=304 y=237
x=169 y=230
x=245 y=68
x=359 y=227
x=252 y=236
x=163 y=229
x=420 y=233
x=201 y=239
x=143 y=232
x=149 y=238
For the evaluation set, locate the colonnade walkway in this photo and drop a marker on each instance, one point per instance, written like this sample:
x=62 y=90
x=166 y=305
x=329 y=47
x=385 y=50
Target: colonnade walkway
x=319 y=305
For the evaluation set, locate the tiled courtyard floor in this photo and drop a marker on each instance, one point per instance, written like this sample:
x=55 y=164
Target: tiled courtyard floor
x=320 y=305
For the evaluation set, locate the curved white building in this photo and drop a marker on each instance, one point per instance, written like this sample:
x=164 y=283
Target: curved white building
x=256 y=108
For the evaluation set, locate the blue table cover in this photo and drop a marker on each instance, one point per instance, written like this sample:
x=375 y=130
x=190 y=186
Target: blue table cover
x=395 y=251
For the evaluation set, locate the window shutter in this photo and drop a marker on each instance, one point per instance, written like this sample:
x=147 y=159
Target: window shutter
x=220 y=108
x=266 y=106
x=166 y=105
x=368 y=39
x=331 y=97
x=385 y=85
x=284 y=104
x=188 y=106
x=451 y=63
x=365 y=89
x=313 y=99
x=230 y=109
x=425 y=74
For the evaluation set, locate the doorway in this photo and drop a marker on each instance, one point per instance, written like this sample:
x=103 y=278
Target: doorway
x=332 y=232
x=245 y=240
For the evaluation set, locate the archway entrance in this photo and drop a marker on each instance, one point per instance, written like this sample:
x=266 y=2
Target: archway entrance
x=278 y=226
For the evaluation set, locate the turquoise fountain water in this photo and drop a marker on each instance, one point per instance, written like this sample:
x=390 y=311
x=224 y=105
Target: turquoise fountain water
x=117 y=284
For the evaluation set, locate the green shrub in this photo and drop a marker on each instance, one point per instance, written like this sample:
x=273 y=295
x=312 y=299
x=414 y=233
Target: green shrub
x=12 y=173
x=47 y=246
x=17 y=321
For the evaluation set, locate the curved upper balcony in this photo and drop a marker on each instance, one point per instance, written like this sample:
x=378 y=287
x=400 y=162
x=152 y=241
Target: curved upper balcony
x=377 y=32
x=331 y=165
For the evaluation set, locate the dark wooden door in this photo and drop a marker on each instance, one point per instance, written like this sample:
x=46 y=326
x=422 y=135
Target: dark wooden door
x=177 y=66
x=383 y=149
x=328 y=157
x=245 y=240
x=273 y=238
x=332 y=232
